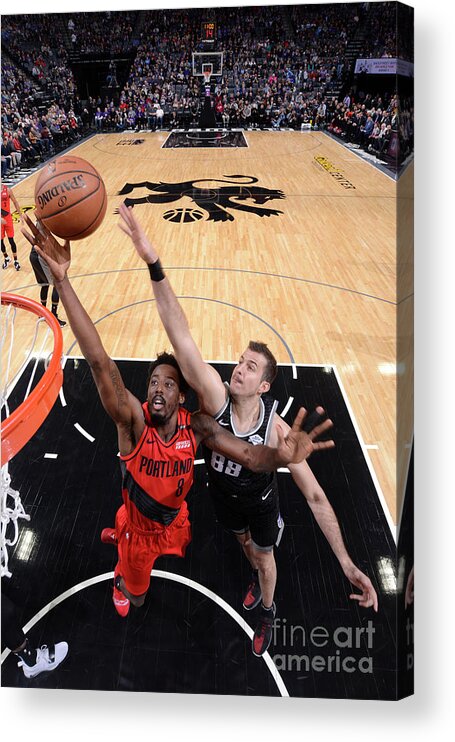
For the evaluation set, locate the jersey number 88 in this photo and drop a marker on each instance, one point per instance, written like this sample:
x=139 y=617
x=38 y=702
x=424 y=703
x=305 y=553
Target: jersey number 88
x=219 y=463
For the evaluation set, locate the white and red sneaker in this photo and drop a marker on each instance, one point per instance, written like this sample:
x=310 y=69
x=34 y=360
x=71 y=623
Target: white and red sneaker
x=121 y=603
x=109 y=536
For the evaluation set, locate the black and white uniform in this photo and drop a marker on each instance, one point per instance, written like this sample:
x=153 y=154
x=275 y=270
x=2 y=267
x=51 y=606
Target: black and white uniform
x=246 y=500
x=41 y=269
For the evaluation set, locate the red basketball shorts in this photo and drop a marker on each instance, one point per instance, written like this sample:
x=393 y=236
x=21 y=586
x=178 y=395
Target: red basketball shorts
x=137 y=552
x=8 y=227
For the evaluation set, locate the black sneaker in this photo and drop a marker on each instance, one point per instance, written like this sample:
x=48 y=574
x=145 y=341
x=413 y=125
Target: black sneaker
x=61 y=322
x=253 y=595
x=5 y=262
x=17 y=265
x=263 y=632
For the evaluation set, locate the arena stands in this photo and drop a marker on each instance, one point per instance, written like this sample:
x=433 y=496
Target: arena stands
x=284 y=67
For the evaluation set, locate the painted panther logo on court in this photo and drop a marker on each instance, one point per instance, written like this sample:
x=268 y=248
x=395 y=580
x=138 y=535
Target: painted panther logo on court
x=183 y=215
x=215 y=202
x=16 y=216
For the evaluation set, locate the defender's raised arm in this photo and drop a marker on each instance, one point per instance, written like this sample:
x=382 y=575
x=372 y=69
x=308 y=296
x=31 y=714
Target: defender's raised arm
x=202 y=377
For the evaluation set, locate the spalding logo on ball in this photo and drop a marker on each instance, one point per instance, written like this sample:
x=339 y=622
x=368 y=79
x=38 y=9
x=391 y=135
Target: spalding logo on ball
x=70 y=197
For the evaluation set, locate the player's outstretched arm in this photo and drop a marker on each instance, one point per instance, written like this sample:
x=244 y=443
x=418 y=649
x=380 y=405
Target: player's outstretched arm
x=328 y=523
x=117 y=401
x=295 y=446
x=330 y=527
x=202 y=377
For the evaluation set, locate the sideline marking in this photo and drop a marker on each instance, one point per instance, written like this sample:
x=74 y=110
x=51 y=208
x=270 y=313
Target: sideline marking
x=388 y=517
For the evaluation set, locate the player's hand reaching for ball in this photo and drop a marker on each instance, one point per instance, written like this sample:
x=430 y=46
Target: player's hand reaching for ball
x=57 y=256
x=135 y=232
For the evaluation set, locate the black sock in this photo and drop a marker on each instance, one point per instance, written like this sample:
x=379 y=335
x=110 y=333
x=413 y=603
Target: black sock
x=43 y=295
x=54 y=308
x=27 y=655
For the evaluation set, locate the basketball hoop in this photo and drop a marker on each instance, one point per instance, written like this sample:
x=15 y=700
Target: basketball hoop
x=19 y=425
x=207 y=71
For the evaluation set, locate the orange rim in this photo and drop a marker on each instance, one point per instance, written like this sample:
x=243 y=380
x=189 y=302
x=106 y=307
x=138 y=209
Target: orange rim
x=22 y=424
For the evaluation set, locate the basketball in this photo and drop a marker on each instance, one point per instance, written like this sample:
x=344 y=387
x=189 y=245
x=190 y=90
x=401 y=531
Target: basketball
x=70 y=197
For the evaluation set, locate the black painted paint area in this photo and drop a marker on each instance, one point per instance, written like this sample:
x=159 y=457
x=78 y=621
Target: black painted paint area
x=181 y=640
x=212 y=138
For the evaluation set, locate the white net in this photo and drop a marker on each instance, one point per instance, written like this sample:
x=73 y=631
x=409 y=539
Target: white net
x=11 y=510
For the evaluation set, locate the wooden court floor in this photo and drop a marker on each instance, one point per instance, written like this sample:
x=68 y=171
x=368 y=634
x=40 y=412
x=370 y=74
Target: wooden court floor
x=311 y=267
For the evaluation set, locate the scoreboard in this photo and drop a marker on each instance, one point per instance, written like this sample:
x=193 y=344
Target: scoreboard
x=208 y=31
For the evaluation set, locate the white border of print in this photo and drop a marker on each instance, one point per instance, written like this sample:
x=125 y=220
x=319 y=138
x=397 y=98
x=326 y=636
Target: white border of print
x=49 y=715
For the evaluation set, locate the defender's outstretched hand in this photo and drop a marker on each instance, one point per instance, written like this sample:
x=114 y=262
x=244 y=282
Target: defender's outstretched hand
x=298 y=444
x=368 y=597
x=57 y=256
x=135 y=232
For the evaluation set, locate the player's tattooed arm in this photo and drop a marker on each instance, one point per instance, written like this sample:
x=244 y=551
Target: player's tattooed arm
x=123 y=407
x=118 y=385
x=120 y=404
x=296 y=446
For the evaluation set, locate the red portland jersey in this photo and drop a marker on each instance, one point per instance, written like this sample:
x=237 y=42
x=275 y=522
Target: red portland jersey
x=6 y=205
x=157 y=476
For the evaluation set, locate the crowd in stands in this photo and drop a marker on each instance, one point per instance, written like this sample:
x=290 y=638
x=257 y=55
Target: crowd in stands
x=33 y=138
x=33 y=71
x=102 y=32
x=279 y=70
x=325 y=34
x=35 y=44
x=266 y=80
x=388 y=32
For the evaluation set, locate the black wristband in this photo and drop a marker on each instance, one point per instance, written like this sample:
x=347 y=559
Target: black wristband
x=156 y=270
